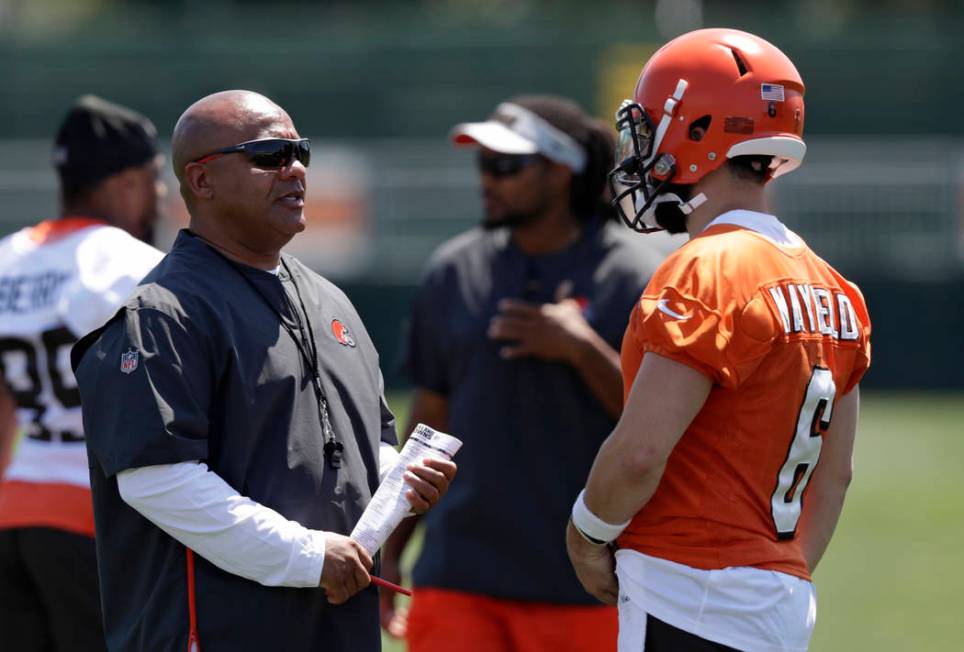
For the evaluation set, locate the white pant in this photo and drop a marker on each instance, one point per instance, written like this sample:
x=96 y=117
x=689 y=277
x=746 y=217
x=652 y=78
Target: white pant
x=750 y=609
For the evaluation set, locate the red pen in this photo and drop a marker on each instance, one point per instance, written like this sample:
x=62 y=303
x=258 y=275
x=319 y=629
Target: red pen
x=388 y=585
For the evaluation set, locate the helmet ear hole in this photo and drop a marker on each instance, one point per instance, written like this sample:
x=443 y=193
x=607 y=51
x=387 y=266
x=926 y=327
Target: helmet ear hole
x=699 y=127
x=740 y=64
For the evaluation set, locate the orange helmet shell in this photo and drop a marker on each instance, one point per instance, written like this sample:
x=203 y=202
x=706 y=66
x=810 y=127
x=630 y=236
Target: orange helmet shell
x=750 y=91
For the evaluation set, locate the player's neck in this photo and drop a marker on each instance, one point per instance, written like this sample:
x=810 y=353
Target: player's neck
x=722 y=200
x=551 y=232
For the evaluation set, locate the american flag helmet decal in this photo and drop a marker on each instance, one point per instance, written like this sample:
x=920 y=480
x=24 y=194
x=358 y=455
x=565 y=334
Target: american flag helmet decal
x=771 y=92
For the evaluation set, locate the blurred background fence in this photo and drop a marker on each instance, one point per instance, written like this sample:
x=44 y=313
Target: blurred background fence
x=377 y=85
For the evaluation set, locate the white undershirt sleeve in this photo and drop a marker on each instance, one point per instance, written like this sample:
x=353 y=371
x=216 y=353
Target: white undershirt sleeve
x=202 y=511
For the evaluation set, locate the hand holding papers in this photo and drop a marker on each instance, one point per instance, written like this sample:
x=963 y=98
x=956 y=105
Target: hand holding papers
x=389 y=505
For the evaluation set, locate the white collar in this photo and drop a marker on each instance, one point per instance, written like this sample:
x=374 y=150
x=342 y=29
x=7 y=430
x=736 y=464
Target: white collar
x=763 y=223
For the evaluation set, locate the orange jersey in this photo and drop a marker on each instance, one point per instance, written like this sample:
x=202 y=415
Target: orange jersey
x=782 y=335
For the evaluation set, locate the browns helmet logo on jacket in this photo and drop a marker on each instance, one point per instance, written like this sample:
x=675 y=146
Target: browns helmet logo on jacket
x=341 y=333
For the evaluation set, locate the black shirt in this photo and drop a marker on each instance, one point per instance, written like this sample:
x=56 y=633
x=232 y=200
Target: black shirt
x=530 y=427
x=198 y=366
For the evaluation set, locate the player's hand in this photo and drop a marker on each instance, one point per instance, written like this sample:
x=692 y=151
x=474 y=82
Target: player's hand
x=551 y=331
x=595 y=566
x=346 y=567
x=394 y=618
x=428 y=481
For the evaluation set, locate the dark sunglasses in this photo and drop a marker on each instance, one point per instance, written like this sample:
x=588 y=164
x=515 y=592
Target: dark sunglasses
x=266 y=153
x=505 y=165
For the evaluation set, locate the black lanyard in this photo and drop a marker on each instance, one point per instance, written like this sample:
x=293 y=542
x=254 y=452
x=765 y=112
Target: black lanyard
x=333 y=447
x=304 y=340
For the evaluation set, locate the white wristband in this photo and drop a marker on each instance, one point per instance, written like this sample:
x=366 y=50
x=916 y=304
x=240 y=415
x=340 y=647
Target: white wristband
x=593 y=528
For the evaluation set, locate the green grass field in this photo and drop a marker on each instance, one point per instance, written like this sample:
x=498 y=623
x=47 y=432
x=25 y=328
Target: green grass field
x=890 y=578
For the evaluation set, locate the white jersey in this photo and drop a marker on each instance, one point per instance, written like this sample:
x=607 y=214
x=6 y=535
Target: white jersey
x=59 y=280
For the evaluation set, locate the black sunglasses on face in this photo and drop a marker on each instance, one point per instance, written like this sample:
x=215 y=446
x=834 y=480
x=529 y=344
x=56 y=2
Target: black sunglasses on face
x=505 y=165
x=266 y=153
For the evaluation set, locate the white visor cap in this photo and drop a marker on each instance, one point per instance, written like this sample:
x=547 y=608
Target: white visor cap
x=513 y=129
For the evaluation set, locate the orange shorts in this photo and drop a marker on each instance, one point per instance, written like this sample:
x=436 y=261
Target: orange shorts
x=451 y=621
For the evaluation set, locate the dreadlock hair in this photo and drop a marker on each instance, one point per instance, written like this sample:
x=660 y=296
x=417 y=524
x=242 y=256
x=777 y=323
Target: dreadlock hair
x=589 y=195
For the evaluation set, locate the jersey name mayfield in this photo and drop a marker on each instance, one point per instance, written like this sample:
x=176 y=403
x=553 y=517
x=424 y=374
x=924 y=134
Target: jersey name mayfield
x=782 y=335
x=58 y=280
x=828 y=312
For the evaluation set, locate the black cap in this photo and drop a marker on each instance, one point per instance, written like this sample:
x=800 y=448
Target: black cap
x=98 y=139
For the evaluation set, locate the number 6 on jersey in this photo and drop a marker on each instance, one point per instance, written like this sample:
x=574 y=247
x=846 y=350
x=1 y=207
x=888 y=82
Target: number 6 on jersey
x=814 y=419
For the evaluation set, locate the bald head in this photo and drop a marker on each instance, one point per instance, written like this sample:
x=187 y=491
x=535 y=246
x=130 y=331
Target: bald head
x=248 y=210
x=221 y=120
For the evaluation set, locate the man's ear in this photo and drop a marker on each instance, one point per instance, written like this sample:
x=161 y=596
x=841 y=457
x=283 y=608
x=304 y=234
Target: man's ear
x=120 y=184
x=115 y=191
x=198 y=180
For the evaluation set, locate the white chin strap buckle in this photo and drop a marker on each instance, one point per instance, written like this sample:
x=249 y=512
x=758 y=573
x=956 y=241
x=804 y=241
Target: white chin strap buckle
x=693 y=204
x=686 y=207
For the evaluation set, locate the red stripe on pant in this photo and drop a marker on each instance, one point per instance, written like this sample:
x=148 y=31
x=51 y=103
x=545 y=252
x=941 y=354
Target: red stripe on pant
x=193 y=643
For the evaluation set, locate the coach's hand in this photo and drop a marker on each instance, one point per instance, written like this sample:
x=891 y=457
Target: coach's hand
x=595 y=566
x=346 y=567
x=428 y=482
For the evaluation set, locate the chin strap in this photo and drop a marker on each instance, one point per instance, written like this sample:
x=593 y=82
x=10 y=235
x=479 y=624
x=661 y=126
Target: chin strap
x=669 y=108
x=648 y=217
x=694 y=203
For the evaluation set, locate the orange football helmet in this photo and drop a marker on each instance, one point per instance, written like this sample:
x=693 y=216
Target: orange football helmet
x=704 y=97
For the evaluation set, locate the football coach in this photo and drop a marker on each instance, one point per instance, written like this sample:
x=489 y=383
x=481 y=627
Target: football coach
x=235 y=417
